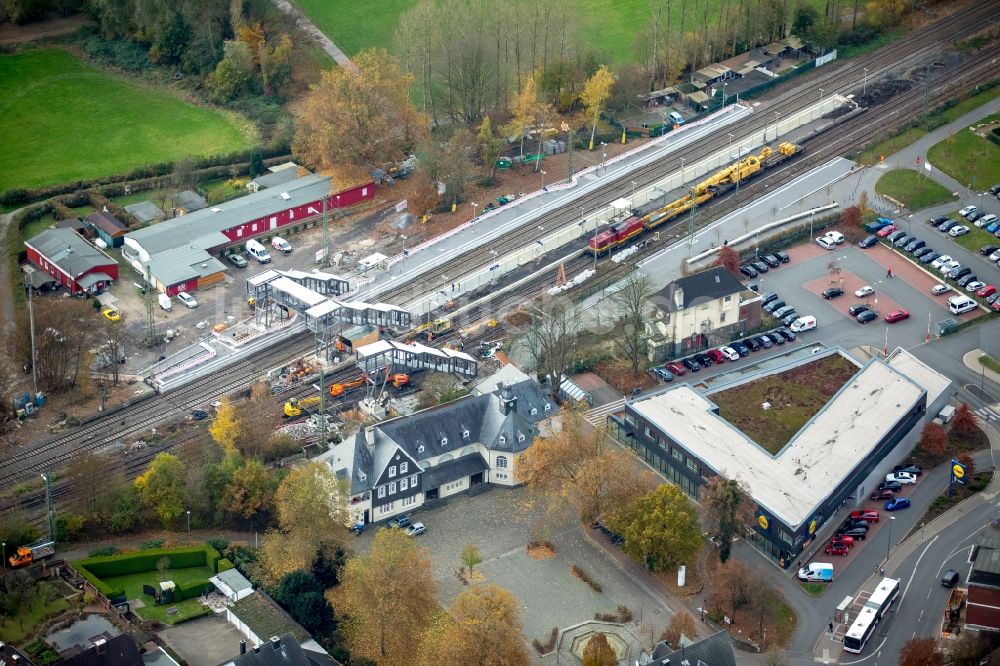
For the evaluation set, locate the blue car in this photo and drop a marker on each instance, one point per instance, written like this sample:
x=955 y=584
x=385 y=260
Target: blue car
x=897 y=504
x=993 y=227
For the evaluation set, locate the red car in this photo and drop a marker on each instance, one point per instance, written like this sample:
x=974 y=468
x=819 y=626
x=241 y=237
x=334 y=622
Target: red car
x=836 y=549
x=677 y=369
x=897 y=315
x=996 y=305
x=885 y=231
x=842 y=541
x=868 y=514
x=988 y=290
x=881 y=495
x=716 y=356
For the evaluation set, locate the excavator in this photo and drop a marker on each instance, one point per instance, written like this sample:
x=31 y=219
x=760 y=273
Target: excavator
x=430 y=330
x=337 y=390
x=294 y=407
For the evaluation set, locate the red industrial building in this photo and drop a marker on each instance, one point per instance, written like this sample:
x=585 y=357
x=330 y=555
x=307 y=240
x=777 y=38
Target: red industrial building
x=181 y=253
x=69 y=260
x=983 y=610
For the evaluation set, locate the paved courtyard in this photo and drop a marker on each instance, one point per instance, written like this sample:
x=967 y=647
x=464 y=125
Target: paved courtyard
x=206 y=641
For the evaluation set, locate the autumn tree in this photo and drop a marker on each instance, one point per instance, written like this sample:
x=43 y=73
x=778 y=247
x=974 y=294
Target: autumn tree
x=439 y=388
x=489 y=146
x=225 y=428
x=933 y=439
x=65 y=332
x=660 y=528
x=920 y=652
x=581 y=469
x=595 y=96
x=482 y=627
x=362 y=116
x=728 y=511
x=386 y=597
x=633 y=307
x=528 y=112
x=729 y=259
x=681 y=624
x=96 y=499
x=598 y=651
x=968 y=462
x=161 y=487
x=731 y=588
x=456 y=162
x=116 y=336
x=250 y=490
x=302 y=595
x=850 y=217
x=552 y=339
x=471 y=557
x=964 y=420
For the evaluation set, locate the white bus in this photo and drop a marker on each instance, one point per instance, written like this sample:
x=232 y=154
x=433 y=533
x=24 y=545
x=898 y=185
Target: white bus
x=874 y=610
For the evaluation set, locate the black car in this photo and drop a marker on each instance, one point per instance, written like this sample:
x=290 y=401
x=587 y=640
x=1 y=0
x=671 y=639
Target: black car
x=894 y=486
x=768 y=297
x=855 y=533
x=995 y=190
x=691 y=364
x=966 y=279
x=921 y=251
x=914 y=245
x=774 y=305
x=770 y=261
x=857 y=309
x=776 y=257
x=987 y=250
x=789 y=318
x=902 y=241
x=787 y=334
x=764 y=341
x=782 y=311
x=940 y=219
x=748 y=271
x=776 y=338
x=752 y=344
x=908 y=467
x=740 y=348
x=947 y=224
x=759 y=266
x=868 y=241
x=974 y=215
x=866 y=316
x=782 y=257
x=895 y=236
x=929 y=257
x=703 y=359
x=850 y=524
x=959 y=271
x=833 y=292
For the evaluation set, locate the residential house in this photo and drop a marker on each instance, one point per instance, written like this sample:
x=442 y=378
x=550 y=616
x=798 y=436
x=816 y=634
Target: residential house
x=71 y=261
x=258 y=617
x=464 y=445
x=119 y=650
x=11 y=656
x=982 y=612
x=695 y=311
x=109 y=229
x=283 y=651
x=715 y=650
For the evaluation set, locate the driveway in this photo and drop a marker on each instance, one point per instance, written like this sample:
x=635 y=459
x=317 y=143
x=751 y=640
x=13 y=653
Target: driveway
x=206 y=641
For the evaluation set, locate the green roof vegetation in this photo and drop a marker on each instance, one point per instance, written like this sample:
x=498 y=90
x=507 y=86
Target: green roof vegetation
x=265 y=619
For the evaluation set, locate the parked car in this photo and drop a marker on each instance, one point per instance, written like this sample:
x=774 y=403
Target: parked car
x=416 y=529
x=897 y=503
x=959 y=272
x=964 y=280
x=947 y=225
x=748 y=271
x=787 y=334
x=948 y=267
x=894 y=486
x=885 y=231
x=752 y=344
x=864 y=291
x=676 y=369
x=833 y=292
x=974 y=216
x=857 y=309
x=921 y=251
x=896 y=315
x=789 y=318
x=782 y=311
x=730 y=353
x=759 y=266
x=991 y=299
x=986 y=220
x=865 y=514
x=691 y=364
x=850 y=524
x=777 y=257
x=973 y=285
x=868 y=241
x=855 y=532
x=915 y=245
x=774 y=305
x=959 y=230
x=941 y=261
x=866 y=316
x=776 y=338
x=717 y=355
x=740 y=348
x=968 y=209
x=237 y=260
x=843 y=541
x=399 y=521
x=950 y=578
x=663 y=374
x=995 y=256
x=782 y=256
x=770 y=261
x=704 y=360
x=937 y=220
x=939 y=289
x=111 y=314
x=187 y=299
x=764 y=341
x=904 y=478
x=836 y=549
x=879 y=495
x=910 y=468
x=929 y=257
x=987 y=291
x=987 y=250
x=902 y=241
x=768 y=298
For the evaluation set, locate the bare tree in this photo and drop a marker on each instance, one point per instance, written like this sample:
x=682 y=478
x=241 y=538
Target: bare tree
x=552 y=338
x=112 y=352
x=632 y=303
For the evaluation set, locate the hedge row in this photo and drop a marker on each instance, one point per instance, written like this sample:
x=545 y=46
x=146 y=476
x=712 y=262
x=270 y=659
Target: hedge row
x=224 y=565
x=146 y=560
x=115 y=594
x=192 y=590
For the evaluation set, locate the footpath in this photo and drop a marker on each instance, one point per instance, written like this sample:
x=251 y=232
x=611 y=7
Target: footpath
x=310 y=28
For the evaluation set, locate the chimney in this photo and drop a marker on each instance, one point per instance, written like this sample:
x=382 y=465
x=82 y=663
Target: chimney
x=370 y=436
x=101 y=645
x=275 y=642
x=256 y=649
x=243 y=647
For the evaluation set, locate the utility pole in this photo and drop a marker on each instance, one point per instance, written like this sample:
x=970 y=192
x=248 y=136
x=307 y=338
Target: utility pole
x=31 y=323
x=49 y=514
x=150 y=322
x=322 y=405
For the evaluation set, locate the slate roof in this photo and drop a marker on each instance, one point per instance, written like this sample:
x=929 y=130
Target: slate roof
x=697 y=288
x=203 y=228
x=145 y=211
x=118 y=651
x=158 y=657
x=68 y=251
x=107 y=223
x=454 y=469
x=287 y=652
x=190 y=201
x=716 y=650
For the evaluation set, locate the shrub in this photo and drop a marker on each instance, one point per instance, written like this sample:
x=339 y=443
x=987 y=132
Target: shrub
x=224 y=565
x=137 y=562
x=192 y=590
x=104 y=551
x=582 y=575
x=543 y=648
x=218 y=544
x=151 y=544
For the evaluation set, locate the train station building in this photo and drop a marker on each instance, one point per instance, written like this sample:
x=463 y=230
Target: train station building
x=838 y=457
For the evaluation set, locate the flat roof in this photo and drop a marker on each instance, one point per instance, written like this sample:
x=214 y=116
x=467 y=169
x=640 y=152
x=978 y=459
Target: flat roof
x=304 y=294
x=933 y=381
x=805 y=472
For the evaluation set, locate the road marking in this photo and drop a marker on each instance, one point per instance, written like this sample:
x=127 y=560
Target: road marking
x=988 y=413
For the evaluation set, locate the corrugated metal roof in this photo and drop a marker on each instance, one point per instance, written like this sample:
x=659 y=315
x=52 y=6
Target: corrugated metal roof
x=68 y=251
x=183 y=263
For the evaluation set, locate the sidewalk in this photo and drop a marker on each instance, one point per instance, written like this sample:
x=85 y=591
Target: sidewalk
x=971 y=361
x=310 y=28
x=829 y=646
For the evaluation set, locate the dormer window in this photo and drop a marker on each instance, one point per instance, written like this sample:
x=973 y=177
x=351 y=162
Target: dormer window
x=465 y=433
x=420 y=449
x=503 y=439
x=444 y=441
x=534 y=410
x=548 y=407
x=520 y=436
x=361 y=475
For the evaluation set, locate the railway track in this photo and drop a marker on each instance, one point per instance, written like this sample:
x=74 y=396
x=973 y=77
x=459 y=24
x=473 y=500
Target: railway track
x=120 y=425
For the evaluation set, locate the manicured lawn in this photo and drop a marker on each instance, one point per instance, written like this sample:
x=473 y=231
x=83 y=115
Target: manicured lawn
x=913 y=188
x=968 y=158
x=62 y=120
x=989 y=362
x=813 y=589
x=11 y=629
x=976 y=238
x=354 y=26
x=795 y=396
x=186 y=609
x=891 y=145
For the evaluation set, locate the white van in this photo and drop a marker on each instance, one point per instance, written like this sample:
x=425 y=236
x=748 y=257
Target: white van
x=676 y=118
x=164 y=302
x=279 y=243
x=817 y=571
x=945 y=416
x=801 y=324
x=961 y=304
x=258 y=252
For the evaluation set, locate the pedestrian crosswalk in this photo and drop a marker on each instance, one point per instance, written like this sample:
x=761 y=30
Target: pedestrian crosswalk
x=599 y=415
x=991 y=413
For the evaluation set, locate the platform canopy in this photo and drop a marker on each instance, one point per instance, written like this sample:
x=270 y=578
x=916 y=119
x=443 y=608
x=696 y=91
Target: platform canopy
x=621 y=203
x=373 y=260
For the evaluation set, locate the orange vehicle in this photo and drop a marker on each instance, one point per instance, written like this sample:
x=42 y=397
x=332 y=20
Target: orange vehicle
x=398 y=380
x=337 y=390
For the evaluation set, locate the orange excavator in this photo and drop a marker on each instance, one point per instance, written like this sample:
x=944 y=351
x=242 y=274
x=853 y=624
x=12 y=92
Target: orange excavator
x=337 y=390
x=397 y=379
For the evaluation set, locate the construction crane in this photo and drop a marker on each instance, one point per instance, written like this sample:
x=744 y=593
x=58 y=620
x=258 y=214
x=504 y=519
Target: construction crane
x=294 y=407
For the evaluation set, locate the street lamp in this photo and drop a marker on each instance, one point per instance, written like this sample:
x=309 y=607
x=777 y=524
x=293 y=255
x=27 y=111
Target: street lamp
x=543 y=180
x=888 y=544
x=189 y=520
x=604 y=155
x=777 y=117
x=875 y=287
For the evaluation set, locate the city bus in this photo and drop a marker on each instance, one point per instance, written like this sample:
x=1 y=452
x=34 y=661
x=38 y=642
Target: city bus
x=874 y=610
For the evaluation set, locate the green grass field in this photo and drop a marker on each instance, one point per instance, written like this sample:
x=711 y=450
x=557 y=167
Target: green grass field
x=64 y=120
x=913 y=189
x=186 y=609
x=968 y=158
x=14 y=630
x=976 y=238
x=606 y=26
